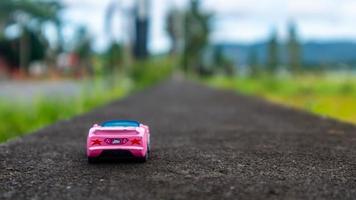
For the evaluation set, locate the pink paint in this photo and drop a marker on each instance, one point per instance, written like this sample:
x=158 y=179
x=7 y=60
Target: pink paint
x=134 y=139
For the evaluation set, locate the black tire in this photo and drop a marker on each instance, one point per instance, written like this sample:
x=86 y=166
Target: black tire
x=148 y=151
x=142 y=159
x=146 y=157
x=92 y=160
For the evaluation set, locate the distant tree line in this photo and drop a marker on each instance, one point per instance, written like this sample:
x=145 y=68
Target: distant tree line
x=28 y=41
x=189 y=31
x=274 y=63
x=28 y=18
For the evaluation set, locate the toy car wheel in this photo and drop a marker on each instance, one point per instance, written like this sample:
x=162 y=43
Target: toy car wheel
x=148 y=148
x=145 y=158
x=92 y=160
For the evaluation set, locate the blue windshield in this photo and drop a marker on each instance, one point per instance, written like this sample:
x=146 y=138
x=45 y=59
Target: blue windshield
x=124 y=123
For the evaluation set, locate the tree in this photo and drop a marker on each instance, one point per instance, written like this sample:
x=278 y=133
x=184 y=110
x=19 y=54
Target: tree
x=113 y=57
x=196 y=36
x=141 y=29
x=29 y=16
x=175 y=30
x=114 y=7
x=273 y=53
x=222 y=63
x=83 y=49
x=294 y=50
x=253 y=62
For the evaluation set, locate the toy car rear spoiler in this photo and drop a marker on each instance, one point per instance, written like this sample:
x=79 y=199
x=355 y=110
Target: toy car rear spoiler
x=115 y=130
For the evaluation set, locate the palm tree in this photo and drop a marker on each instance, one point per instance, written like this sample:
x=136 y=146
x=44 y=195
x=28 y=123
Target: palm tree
x=273 y=53
x=119 y=52
x=196 y=34
x=29 y=16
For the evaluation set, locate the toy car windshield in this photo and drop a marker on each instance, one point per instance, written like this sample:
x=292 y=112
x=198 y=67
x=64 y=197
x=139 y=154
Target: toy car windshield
x=122 y=123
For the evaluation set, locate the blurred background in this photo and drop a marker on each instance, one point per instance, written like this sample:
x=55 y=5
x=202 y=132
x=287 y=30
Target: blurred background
x=55 y=55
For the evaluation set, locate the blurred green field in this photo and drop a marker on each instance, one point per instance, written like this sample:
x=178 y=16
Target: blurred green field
x=22 y=118
x=331 y=95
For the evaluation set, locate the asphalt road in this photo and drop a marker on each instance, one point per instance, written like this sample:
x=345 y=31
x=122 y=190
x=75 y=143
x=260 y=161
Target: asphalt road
x=206 y=144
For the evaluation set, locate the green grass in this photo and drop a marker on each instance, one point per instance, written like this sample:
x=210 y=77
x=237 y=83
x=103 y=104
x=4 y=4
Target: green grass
x=332 y=95
x=150 y=72
x=19 y=118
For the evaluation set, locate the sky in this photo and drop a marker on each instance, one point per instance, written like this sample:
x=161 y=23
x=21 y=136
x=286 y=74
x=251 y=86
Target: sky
x=235 y=21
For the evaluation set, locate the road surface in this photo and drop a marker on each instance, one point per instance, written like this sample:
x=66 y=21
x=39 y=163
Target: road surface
x=28 y=91
x=206 y=144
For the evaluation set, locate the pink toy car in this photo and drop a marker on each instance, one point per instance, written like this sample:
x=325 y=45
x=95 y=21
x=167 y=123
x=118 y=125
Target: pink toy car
x=118 y=139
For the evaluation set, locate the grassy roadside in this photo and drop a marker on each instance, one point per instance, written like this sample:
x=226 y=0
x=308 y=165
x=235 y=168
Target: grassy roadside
x=331 y=95
x=21 y=118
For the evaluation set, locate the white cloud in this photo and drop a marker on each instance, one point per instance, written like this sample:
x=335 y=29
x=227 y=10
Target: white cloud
x=312 y=8
x=250 y=20
x=235 y=20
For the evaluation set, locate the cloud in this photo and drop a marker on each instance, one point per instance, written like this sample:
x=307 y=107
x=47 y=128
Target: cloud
x=248 y=20
x=234 y=21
